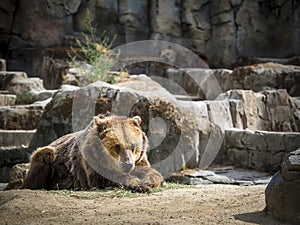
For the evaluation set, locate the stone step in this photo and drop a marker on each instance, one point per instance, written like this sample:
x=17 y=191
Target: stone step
x=10 y=138
x=20 y=117
x=7 y=99
x=19 y=82
x=257 y=150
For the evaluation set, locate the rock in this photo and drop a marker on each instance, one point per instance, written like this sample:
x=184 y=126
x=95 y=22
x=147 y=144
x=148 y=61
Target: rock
x=209 y=83
x=258 y=150
x=290 y=167
x=247 y=42
x=295 y=104
x=209 y=177
x=220 y=30
x=2 y=65
x=7 y=99
x=9 y=157
x=271 y=110
x=12 y=138
x=6 y=78
x=282 y=198
x=18 y=82
x=219 y=113
x=206 y=84
x=53 y=72
x=56 y=120
x=108 y=21
x=227 y=175
x=27 y=90
x=25 y=117
x=7 y=9
x=134 y=19
x=163 y=20
x=17 y=175
x=39 y=96
x=295 y=60
x=265 y=76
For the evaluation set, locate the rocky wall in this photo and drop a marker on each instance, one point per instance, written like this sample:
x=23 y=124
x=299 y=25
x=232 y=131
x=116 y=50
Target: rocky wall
x=224 y=31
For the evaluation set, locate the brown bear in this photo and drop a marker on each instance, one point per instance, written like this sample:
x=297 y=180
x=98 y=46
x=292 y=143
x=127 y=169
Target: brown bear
x=110 y=152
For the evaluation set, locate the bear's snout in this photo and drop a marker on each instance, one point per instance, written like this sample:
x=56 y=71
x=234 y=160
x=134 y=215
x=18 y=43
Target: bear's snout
x=127 y=161
x=127 y=167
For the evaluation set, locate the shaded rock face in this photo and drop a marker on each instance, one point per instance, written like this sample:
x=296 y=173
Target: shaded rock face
x=282 y=193
x=272 y=110
x=20 y=117
x=219 y=29
x=257 y=150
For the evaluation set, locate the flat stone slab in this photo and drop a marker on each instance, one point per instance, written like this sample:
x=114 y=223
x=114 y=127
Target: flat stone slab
x=15 y=137
x=7 y=99
x=228 y=175
x=21 y=117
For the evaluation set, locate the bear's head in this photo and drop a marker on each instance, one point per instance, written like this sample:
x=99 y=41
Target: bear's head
x=123 y=139
x=168 y=55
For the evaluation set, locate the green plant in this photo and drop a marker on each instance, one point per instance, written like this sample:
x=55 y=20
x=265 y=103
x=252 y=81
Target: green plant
x=24 y=98
x=93 y=57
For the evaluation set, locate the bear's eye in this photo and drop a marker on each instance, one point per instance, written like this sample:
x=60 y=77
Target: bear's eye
x=118 y=148
x=132 y=147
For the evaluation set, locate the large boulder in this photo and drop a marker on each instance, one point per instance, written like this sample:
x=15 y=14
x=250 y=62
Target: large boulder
x=282 y=193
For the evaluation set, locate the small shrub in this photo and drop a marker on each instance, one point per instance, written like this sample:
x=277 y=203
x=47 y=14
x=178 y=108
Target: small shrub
x=24 y=98
x=94 y=58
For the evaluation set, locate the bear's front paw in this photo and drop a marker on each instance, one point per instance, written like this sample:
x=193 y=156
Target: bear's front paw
x=135 y=184
x=139 y=188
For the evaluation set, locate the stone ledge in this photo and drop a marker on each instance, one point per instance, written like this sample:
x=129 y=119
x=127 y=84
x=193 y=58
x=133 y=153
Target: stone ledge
x=258 y=150
x=7 y=99
x=15 y=137
x=21 y=117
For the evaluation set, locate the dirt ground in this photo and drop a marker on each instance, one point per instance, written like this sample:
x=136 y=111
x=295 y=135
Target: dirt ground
x=204 y=204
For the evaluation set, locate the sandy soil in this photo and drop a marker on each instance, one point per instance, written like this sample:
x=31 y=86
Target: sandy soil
x=205 y=204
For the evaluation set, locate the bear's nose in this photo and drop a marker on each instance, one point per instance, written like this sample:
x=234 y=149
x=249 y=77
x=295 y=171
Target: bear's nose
x=127 y=167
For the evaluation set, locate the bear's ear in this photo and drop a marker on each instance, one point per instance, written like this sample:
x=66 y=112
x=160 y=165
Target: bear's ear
x=137 y=120
x=100 y=123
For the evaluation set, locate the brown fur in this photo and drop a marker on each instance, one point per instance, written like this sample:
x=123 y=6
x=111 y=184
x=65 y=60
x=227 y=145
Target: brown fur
x=111 y=151
x=40 y=169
